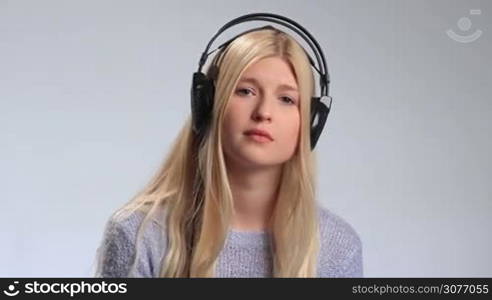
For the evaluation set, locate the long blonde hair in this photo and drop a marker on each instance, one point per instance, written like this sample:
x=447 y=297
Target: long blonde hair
x=192 y=183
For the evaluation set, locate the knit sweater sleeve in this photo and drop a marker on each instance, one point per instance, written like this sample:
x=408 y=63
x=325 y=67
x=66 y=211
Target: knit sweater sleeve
x=341 y=247
x=352 y=266
x=117 y=252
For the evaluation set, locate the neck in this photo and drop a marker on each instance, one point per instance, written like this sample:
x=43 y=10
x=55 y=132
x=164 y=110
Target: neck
x=254 y=192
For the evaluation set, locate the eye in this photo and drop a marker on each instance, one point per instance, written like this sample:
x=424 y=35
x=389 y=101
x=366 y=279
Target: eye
x=243 y=91
x=288 y=100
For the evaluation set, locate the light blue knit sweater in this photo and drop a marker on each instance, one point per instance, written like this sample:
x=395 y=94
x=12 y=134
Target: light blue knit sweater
x=245 y=254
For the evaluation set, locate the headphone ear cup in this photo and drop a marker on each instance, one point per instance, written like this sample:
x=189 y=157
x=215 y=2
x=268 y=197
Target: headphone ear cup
x=314 y=109
x=202 y=94
x=319 y=114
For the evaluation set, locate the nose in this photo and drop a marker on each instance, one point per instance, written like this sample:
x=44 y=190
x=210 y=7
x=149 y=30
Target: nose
x=263 y=110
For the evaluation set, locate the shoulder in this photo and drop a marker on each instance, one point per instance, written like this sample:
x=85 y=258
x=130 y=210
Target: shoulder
x=334 y=228
x=118 y=249
x=130 y=223
x=340 y=246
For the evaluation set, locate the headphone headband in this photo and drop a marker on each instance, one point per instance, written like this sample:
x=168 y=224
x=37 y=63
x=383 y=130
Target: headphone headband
x=284 y=21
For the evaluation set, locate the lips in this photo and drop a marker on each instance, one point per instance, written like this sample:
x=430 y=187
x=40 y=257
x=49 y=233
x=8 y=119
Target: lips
x=259 y=132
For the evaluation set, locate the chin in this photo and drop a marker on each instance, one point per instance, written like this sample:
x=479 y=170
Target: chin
x=261 y=162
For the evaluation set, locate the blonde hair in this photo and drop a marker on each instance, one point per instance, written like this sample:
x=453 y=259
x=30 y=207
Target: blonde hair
x=192 y=183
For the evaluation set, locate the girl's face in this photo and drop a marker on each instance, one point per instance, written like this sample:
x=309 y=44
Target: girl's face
x=265 y=98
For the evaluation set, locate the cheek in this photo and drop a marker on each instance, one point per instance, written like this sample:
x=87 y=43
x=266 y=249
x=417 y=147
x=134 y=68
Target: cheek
x=289 y=133
x=293 y=127
x=232 y=118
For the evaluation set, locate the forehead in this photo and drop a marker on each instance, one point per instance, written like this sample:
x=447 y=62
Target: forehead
x=270 y=70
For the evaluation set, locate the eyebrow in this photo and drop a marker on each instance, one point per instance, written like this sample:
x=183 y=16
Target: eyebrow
x=254 y=81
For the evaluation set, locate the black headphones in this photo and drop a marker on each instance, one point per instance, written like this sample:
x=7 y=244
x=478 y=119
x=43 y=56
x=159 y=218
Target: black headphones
x=203 y=89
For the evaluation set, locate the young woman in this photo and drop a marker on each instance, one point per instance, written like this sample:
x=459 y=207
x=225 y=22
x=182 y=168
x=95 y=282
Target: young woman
x=241 y=201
